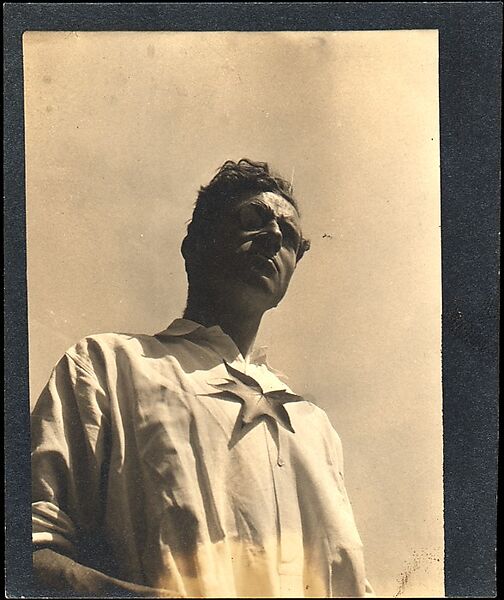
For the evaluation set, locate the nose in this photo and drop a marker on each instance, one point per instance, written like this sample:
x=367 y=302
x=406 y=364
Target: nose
x=272 y=236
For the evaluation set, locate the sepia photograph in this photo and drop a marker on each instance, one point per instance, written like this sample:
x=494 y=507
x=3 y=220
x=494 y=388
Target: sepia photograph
x=234 y=313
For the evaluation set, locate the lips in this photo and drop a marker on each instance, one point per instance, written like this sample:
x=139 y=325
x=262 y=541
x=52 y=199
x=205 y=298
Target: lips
x=264 y=264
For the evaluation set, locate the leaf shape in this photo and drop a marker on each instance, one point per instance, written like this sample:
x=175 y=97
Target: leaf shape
x=255 y=402
x=245 y=379
x=283 y=396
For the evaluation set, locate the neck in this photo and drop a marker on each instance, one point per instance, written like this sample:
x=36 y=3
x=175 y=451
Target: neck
x=241 y=325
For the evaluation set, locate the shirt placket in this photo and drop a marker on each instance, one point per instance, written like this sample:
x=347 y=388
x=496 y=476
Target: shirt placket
x=290 y=547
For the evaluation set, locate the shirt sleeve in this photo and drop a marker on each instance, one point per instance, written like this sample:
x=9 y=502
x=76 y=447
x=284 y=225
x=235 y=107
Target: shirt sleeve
x=338 y=452
x=69 y=430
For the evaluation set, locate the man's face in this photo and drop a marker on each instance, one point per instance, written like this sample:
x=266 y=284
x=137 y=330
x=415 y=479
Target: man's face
x=255 y=249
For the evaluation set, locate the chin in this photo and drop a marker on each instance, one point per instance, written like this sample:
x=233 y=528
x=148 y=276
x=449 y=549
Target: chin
x=257 y=296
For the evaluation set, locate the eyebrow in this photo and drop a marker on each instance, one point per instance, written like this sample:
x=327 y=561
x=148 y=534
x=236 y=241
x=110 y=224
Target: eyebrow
x=285 y=219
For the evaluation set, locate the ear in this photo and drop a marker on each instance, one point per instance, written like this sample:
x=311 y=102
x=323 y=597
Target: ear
x=187 y=248
x=305 y=246
x=191 y=251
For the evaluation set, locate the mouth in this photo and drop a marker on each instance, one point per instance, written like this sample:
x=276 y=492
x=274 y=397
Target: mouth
x=263 y=264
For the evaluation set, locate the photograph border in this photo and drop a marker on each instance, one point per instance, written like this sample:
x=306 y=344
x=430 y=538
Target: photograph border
x=470 y=81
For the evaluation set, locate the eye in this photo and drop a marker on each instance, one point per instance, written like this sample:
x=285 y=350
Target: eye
x=251 y=217
x=291 y=236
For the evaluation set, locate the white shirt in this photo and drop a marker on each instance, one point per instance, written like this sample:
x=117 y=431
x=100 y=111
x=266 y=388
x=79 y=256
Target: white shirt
x=135 y=452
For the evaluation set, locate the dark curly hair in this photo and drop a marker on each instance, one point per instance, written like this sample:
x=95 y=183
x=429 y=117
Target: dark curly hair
x=233 y=181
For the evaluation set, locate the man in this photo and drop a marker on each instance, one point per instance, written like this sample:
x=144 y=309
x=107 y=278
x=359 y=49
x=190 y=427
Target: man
x=180 y=464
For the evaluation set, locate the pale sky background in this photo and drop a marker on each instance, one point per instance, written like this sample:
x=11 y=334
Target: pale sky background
x=122 y=129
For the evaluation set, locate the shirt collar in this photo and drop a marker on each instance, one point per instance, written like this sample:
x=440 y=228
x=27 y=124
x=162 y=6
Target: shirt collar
x=188 y=328
x=180 y=327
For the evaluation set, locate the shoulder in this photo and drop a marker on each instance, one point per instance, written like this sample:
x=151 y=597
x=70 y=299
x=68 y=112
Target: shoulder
x=322 y=416
x=325 y=426
x=98 y=348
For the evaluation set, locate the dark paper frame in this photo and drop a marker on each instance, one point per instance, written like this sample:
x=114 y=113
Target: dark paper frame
x=470 y=36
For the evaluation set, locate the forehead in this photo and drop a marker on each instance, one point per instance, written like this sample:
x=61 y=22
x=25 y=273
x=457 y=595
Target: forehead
x=278 y=205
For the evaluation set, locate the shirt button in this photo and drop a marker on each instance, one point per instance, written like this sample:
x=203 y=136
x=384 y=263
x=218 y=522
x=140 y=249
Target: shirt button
x=280 y=462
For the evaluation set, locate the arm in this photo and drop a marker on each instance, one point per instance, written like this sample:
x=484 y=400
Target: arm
x=338 y=452
x=58 y=573
x=69 y=430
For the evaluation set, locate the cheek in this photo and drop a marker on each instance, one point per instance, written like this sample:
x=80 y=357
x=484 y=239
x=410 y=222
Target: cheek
x=240 y=245
x=289 y=263
x=244 y=246
x=231 y=245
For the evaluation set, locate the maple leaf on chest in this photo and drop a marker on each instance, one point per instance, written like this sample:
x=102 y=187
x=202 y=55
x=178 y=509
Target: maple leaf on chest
x=255 y=401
